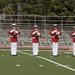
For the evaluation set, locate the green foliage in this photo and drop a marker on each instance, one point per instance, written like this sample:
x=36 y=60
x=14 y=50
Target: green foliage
x=38 y=7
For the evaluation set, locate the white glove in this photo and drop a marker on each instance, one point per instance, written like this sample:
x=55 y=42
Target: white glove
x=12 y=30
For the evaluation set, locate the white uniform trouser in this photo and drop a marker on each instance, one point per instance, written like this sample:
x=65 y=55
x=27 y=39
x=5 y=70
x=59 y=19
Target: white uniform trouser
x=55 y=48
x=13 y=48
x=35 y=48
x=74 y=49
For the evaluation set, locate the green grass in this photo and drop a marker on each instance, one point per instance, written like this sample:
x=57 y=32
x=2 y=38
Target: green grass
x=29 y=65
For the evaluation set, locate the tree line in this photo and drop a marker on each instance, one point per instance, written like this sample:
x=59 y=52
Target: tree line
x=38 y=7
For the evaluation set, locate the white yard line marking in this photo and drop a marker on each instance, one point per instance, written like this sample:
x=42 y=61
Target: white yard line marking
x=41 y=66
x=49 y=61
x=65 y=65
x=2 y=55
x=67 y=56
x=18 y=65
x=25 y=53
x=68 y=52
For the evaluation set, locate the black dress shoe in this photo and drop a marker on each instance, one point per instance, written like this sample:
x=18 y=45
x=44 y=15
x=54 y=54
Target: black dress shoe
x=73 y=55
x=55 y=55
x=35 y=55
x=13 y=55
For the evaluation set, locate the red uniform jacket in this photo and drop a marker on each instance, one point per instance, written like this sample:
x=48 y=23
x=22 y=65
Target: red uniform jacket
x=55 y=35
x=35 y=36
x=14 y=34
x=73 y=34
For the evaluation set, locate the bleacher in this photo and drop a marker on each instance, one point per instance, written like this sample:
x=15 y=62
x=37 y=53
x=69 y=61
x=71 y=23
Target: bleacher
x=26 y=23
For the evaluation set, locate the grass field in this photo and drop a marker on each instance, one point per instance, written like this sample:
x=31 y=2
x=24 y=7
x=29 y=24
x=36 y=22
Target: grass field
x=44 y=64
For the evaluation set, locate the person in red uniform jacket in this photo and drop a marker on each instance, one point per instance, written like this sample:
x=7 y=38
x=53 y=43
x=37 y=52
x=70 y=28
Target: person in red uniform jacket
x=55 y=39
x=14 y=39
x=35 y=39
x=73 y=40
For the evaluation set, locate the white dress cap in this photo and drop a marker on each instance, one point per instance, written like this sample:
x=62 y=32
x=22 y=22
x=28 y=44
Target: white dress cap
x=55 y=25
x=35 y=26
x=13 y=24
x=74 y=26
